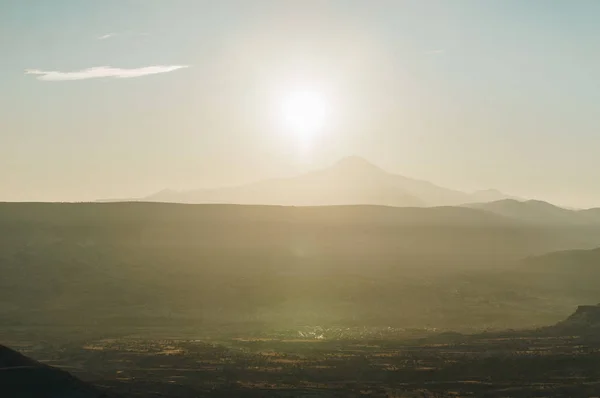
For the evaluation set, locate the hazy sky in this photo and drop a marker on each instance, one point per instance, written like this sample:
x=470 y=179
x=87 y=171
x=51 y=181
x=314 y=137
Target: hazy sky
x=120 y=98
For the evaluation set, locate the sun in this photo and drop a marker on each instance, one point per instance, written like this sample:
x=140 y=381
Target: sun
x=304 y=112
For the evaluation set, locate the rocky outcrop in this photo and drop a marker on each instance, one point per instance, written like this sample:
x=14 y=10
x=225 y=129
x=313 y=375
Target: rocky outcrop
x=586 y=319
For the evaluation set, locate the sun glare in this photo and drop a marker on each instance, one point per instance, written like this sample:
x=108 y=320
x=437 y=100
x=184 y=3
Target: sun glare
x=304 y=113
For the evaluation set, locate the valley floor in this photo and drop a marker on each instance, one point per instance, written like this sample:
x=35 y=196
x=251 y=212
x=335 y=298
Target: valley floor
x=512 y=364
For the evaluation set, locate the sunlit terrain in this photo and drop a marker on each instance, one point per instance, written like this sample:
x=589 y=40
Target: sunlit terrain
x=299 y=198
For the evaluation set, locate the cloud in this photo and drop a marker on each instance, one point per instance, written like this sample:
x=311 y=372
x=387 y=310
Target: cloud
x=121 y=34
x=106 y=36
x=435 y=52
x=103 y=71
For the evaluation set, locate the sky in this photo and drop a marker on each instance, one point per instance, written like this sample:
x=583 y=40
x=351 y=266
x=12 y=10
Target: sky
x=122 y=98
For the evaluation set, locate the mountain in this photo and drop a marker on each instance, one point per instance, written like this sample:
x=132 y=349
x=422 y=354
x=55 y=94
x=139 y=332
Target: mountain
x=352 y=180
x=539 y=212
x=530 y=210
x=489 y=195
x=23 y=377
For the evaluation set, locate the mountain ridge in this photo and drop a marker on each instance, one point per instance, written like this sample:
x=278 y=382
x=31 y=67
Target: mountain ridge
x=351 y=180
x=538 y=212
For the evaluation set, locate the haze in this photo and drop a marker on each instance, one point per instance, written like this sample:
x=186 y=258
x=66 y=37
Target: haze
x=299 y=198
x=123 y=98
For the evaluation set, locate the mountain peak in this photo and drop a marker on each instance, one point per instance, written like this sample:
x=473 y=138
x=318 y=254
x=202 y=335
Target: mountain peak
x=356 y=164
x=534 y=202
x=350 y=180
x=490 y=191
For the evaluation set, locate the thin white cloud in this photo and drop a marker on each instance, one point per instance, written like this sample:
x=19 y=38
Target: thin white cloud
x=102 y=71
x=435 y=52
x=122 y=34
x=106 y=36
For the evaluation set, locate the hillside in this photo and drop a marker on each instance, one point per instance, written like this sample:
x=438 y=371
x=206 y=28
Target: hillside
x=539 y=212
x=153 y=263
x=571 y=261
x=350 y=181
x=563 y=279
x=23 y=377
x=586 y=319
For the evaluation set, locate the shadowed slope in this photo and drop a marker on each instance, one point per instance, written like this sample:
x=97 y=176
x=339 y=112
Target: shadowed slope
x=22 y=377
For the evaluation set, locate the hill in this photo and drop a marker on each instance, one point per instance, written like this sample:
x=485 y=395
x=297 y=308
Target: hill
x=585 y=319
x=350 y=181
x=168 y=264
x=570 y=275
x=539 y=212
x=571 y=261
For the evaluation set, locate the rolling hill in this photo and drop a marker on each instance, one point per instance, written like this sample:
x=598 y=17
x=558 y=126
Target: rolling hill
x=538 y=212
x=568 y=261
x=107 y=264
x=570 y=274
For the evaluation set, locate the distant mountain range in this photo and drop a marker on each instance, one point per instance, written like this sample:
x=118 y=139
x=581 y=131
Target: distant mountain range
x=352 y=180
x=539 y=212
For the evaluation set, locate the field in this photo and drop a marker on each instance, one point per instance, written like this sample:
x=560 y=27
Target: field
x=313 y=362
